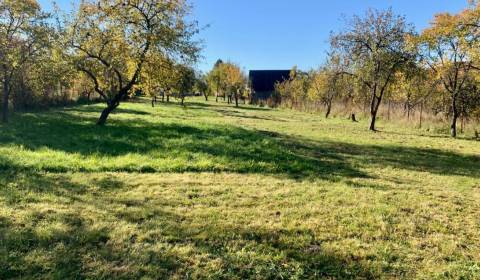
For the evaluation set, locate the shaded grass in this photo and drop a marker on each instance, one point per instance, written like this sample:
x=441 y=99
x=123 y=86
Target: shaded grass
x=231 y=193
x=231 y=226
x=61 y=143
x=64 y=141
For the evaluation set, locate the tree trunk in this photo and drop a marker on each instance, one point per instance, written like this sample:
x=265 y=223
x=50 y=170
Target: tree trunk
x=6 y=93
x=421 y=112
x=236 y=99
x=168 y=98
x=372 y=122
x=206 y=96
x=329 y=109
x=153 y=102
x=22 y=102
x=112 y=105
x=163 y=97
x=88 y=97
x=453 y=127
x=389 y=108
x=462 y=123
x=354 y=118
x=103 y=117
x=374 y=110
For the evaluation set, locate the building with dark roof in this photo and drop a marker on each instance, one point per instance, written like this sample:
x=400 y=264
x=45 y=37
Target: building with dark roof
x=262 y=82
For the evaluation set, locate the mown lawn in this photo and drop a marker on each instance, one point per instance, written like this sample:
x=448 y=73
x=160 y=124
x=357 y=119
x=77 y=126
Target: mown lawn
x=210 y=191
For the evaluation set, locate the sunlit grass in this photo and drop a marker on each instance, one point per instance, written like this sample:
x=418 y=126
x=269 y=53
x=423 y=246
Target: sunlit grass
x=211 y=191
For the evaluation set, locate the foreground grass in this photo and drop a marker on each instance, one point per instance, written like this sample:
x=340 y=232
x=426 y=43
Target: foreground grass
x=211 y=191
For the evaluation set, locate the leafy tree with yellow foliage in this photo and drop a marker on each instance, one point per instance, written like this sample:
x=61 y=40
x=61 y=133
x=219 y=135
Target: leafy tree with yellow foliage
x=445 y=47
x=23 y=34
x=235 y=80
x=293 y=91
x=216 y=80
x=227 y=79
x=201 y=85
x=113 y=39
x=182 y=81
x=328 y=83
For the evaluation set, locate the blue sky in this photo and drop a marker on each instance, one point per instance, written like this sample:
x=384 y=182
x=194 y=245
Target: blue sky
x=278 y=34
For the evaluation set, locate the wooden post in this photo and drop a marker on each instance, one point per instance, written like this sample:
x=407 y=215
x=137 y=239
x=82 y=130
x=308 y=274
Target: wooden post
x=421 y=112
x=389 y=105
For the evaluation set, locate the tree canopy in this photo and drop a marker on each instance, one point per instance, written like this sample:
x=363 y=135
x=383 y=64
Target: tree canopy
x=113 y=39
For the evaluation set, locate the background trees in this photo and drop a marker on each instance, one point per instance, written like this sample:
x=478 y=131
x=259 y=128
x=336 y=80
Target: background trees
x=182 y=81
x=235 y=80
x=111 y=49
x=322 y=88
x=328 y=83
x=201 y=85
x=445 y=50
x=227 y=79
x=23 y=35
x=154 y=76
x=294 y=91
x=216 y=80
x=379 y=56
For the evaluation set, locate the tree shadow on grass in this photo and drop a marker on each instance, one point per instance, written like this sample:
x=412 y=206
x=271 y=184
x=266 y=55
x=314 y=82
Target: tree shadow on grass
x=435 y=161
x=65 y=240
x=212 y=148
x=222 y=106
x=367 y=185
x=235 y=112
x=95 y=109
x=197 y=147
x=305 y=256
x=57 y=240
x=242 y=115
x=462 y=136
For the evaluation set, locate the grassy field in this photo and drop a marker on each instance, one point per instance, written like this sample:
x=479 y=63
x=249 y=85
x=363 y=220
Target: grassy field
x=210 y=191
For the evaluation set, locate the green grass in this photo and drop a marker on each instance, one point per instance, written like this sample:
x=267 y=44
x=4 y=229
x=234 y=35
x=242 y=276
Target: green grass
x=216 y=192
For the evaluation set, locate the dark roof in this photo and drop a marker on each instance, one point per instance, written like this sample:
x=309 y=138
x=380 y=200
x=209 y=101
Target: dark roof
x=264 y=80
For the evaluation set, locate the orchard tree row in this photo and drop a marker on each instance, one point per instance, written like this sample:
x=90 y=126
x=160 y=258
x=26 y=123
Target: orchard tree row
x=104 y=48
x=381 y=57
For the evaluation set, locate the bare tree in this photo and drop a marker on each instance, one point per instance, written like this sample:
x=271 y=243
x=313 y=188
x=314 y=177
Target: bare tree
x=376 y=48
